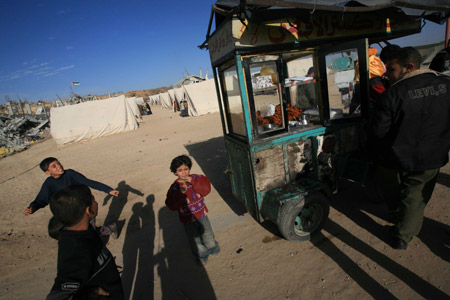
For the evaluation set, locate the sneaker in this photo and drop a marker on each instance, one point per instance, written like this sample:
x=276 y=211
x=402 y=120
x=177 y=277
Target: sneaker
x=114 y=231
x=116 y=228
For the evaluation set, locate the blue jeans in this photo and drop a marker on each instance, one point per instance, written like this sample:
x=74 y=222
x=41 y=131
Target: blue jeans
x=201 y=238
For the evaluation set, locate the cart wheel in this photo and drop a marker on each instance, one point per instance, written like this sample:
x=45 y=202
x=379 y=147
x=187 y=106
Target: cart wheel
x=297 y=221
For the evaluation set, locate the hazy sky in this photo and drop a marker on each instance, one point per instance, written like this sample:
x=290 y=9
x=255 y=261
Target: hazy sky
x=107 y=45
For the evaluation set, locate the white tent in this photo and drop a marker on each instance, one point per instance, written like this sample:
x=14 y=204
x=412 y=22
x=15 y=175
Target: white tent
x=165 y=100
x=179 y=94
x=92 y=119
x=134 y=107
x=139 y=100
x=154 y=99
x=172 y=96
x=202 y=98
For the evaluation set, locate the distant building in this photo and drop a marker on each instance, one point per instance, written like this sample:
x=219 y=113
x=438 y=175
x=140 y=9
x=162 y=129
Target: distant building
x=188 y=80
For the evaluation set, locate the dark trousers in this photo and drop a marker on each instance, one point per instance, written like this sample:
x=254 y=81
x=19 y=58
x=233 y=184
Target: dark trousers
x=406 y=194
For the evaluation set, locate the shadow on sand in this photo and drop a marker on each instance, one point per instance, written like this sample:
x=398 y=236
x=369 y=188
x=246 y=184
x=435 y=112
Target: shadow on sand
x=364 y=280
x=444 y=179
x=137 y=275
x=357 y=204
x=181 y=277
x=117 y=205
x=212 y=159
x=354 y=202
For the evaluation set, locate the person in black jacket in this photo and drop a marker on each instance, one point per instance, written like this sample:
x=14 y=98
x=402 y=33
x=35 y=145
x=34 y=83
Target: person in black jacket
x=86 y=269
x=411 y=126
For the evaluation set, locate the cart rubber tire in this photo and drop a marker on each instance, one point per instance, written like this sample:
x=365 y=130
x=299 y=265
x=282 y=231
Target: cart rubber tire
x=297 y=221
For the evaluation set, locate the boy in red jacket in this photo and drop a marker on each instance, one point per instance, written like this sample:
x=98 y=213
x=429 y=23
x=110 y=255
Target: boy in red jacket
x=185 y=195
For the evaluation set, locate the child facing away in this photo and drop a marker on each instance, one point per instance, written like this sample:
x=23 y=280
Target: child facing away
x=186 y=195
x=58 y=179
x=85 y=268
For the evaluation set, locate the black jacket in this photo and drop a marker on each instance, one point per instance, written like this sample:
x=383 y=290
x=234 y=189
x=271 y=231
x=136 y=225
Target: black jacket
x=411 y=122
x=84 y=264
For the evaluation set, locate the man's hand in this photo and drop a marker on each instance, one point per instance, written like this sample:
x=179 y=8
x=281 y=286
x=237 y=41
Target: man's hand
x=114 y=193
x=28 y=211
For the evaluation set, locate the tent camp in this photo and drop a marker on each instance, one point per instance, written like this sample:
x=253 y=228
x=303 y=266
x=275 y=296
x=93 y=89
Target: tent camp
x=202 y=98
x=165 y=100
x=92 y=119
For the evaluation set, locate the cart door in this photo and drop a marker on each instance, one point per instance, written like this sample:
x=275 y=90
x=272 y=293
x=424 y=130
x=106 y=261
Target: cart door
x=241 y=175
x=343 y=75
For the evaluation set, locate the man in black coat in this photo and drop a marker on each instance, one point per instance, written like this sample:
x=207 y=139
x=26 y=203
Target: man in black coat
x=411 y=128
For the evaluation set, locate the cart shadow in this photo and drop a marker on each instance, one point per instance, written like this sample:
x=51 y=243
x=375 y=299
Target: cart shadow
x=212 y=159
x=360 y=276
x=358 y=204
x=138 y=260
x=444 y=179
x=181 y=277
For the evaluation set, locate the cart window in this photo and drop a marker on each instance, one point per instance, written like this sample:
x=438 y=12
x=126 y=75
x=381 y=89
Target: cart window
x=266 y=96
x=301 y=82
x=234 y=103
x=343 y=83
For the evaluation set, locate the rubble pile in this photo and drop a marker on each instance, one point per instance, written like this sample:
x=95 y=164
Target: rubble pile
x=18 y=133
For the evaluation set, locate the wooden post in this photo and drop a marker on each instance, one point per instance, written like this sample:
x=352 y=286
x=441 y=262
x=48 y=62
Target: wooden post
x=446 y=33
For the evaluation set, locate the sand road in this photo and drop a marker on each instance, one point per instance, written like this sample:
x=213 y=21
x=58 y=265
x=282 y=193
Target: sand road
x=349 y=259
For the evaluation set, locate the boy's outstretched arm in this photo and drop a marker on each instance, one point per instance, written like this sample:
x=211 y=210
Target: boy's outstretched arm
x=81 y=179
x=42 y=199
x=114 y=193
x=28 y=211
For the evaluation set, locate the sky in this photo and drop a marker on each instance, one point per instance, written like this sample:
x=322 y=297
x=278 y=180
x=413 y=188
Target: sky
x=105 y=45
x=108 y=45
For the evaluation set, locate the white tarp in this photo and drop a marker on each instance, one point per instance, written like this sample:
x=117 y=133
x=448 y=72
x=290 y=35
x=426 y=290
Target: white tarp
x=202 y=98
x=134 y=107
x=179 y=94
x=139 y=100
x=172 y=96
x=154 y=99
x=165 y=100
x=92 y=119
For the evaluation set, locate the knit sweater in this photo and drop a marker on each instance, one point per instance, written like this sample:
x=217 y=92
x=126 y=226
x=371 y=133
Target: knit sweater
x=191 y=204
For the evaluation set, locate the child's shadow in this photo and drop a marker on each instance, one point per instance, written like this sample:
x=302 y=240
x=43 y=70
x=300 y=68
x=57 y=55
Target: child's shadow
x=137 y=275
x=118 y=203
x=181 y=277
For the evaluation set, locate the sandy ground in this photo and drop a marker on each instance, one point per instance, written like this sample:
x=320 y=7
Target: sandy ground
x=349 y=259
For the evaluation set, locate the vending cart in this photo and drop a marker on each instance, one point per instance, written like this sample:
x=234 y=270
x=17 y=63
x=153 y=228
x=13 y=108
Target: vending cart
x=290 y=131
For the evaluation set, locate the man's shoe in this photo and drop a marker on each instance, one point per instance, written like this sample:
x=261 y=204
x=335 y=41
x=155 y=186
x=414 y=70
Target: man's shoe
x=400 y=244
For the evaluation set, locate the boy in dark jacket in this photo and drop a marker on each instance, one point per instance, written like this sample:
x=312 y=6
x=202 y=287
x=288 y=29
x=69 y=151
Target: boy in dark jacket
x=86 y=269
x=58 y=179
